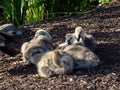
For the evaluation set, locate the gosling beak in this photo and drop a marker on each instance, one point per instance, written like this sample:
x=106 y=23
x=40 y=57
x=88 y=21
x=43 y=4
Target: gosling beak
x=79 y=36
x=69 y=41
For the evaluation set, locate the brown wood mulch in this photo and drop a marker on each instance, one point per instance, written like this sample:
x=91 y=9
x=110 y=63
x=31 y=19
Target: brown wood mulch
x=103 y=23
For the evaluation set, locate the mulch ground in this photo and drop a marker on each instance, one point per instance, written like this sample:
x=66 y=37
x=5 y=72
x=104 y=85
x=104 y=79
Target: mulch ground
x=103 y=23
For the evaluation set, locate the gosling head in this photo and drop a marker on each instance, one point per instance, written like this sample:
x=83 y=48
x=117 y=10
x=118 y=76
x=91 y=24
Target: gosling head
x=56 y=56
x=30 y=52
x=43 y=33
x=62 y=60
x=79 y=32
x=69 y=39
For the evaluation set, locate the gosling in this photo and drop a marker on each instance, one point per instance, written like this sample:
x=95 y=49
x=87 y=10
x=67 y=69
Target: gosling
x=53 y=63
x=40 y=44
x=84 y=58
x=84 y=38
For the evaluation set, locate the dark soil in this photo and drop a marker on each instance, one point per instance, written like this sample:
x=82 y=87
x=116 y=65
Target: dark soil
x=103 y=23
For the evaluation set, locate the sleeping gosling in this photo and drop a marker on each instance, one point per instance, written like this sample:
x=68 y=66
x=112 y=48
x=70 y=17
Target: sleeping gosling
x=53 y=63
x=84 y=58
x=40 y=44
x=42 y=32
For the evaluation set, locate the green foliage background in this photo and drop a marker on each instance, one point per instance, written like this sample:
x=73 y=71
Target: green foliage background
x=25 y=11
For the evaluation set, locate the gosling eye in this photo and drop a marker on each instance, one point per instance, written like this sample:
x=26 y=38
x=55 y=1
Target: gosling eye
x=37 y=50
x=65 y=59
x=44 y=34
x=66 y=62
